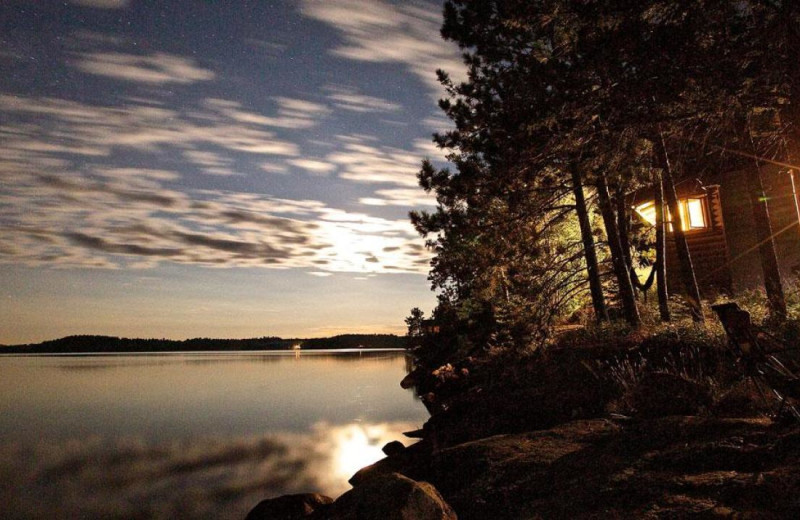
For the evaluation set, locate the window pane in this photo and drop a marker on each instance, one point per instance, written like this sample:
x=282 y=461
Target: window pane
x=682 y=211
x=695 y=210
x=648 y=212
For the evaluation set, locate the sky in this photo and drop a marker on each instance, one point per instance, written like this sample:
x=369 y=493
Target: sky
x=215 y=169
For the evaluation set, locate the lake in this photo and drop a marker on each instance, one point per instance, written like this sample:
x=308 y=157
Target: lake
x=192 y=435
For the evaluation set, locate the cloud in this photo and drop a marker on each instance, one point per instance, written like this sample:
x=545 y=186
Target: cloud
x=268 y=48
x=400 y=197
x=65 y=204
x=313 y=165
x=367 y=163
x=270 y=167
x=57 y=126
x=103 y=245
x=350 y=100
x=295 y=114
x=102 y=4
x=209 y=162
x=363 y=160
x=158 y=68
x=124 y=217
x=382 y=32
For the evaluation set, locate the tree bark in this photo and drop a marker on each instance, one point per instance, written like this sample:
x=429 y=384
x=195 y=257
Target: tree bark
x=791 y=111
x=621 y=272
x=766 y=245
x=593 y=272
x=661 y=250
x=624 y=231
x=684 y=256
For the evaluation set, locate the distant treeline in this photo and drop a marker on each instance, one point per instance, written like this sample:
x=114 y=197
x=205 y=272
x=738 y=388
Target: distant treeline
x=110 y=344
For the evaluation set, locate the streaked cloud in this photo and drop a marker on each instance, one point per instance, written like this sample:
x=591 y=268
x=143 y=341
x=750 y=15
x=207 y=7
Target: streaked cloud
x=313 y=165
x=123 y=217
x=371 y=163
x=269 y=49
x=58 y=126
x=350 y=100
x=157 y=68
x=291 y=113
x=399 y=197
x=383 y=32
x=209 y=162
x=102 y=4
x=271 y=167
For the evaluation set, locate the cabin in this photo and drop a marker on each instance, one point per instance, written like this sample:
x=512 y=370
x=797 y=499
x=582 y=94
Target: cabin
x=718 y=223
x=430 y=327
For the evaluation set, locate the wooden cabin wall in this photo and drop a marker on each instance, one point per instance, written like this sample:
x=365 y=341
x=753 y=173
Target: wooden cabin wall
x=708 y=248
x=740 y=232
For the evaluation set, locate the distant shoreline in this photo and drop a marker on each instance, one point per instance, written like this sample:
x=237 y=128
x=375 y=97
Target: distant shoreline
x=99 y=345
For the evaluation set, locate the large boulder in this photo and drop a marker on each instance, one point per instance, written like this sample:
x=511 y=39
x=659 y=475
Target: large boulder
x=289 y=507
x=390 y=497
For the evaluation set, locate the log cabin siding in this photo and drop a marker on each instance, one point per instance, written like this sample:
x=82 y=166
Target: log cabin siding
x=707 y=246
x=740 y=232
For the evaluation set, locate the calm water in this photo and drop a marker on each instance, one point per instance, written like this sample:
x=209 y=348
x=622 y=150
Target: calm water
x=192 y=434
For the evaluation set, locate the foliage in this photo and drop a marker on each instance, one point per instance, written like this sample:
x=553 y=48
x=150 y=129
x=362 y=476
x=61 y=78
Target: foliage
x=99 y=344
x=557 y=87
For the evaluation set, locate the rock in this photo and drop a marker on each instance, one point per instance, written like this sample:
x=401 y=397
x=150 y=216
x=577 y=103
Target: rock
x=390 y=497
x=289 y=507
x=413 y=462
x=394 y=448
x=415 y=434
x=411 y=379
x=487 y=477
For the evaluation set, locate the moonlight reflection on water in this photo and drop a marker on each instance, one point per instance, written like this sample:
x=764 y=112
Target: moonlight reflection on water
x=205 y=478
x=192 y=435
x=358 y=446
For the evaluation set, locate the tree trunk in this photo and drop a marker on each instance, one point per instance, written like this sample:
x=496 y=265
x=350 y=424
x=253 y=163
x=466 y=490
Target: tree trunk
x=766 y=245
x=684 y=256
x=621 y=271
x=661 y=250
x=624 y=232
x=791 y=111
x=595 y=285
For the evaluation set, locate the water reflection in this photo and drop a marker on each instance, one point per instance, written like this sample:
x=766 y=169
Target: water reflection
x=205 y=478
x=191 y=435
x=106 y=361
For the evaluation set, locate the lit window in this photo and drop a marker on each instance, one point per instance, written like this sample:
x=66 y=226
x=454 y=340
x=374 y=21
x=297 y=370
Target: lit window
x=694 y=208
x=693 y=215
x=647 y=211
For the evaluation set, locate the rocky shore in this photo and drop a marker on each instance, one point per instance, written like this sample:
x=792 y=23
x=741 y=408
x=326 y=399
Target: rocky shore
x=558 y=447
x=671 y=467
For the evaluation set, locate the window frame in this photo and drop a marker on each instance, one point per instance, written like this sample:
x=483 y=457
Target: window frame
x=685 y=214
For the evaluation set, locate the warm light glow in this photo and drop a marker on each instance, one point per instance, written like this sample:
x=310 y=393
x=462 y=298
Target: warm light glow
x=694 y=207
x=648 y=212
x=691 y=212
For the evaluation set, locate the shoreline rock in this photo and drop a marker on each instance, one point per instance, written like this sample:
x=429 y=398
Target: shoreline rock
x=289 y=507
x=667 y=467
